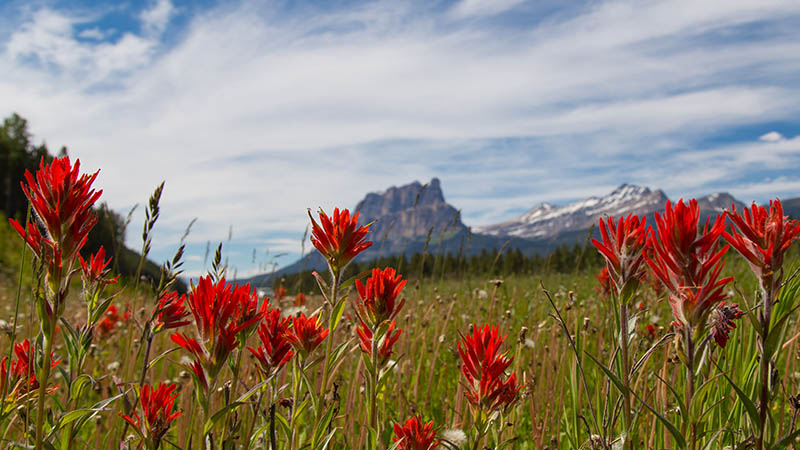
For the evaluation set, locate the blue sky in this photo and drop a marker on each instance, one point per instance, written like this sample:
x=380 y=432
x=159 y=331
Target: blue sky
x=253 y=111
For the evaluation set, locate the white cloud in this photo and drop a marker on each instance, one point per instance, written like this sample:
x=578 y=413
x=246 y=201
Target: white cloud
x=95 y=33
x=155 y=19
x=252 y=116
x=469 y=8
x=772 y=136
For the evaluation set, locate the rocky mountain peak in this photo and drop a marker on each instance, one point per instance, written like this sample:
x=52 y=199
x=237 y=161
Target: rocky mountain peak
x=408 y=212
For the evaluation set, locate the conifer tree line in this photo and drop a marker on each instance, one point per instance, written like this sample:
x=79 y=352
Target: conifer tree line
x=18 y=153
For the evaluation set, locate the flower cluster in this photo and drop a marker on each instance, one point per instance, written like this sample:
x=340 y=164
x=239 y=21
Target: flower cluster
x=19 y=376
x=488 y=388
x=110 y=319
x=275 y=349
x=762 y=237
x=623 y=249
x=415 y=434
x=384 y=345
x=688 y=262
x=338 y=238
x=221 y=311
x=306 y=333
x=170 y=312
x=379 y=296
x=158 y=408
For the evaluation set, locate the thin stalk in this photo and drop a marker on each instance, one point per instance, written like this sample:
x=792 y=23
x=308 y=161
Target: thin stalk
x=256 y=410
x=234 y=382
x=295 y=401
x=690 y=387
x=373 y=410
x=626 y=395
x=16 y=303
x=766 y=316
x=48 y=347
x=328 y=349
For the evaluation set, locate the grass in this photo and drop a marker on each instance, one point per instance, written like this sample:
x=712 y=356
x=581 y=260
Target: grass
x=556 y=409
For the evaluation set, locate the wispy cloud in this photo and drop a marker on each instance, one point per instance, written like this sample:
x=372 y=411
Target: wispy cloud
x=254 y=111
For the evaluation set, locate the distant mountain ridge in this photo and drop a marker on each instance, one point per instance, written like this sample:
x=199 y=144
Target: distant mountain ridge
x=407 y=219
x=547 y=221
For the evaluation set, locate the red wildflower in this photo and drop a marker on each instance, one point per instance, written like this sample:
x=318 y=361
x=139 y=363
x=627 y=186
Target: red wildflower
x=723 y=322
x=221 y=311
x=623 y=249
x=250 y=313
x=339 y=238
x=170 y=312
x=306 y=333
x=606 y=286
x=483 y=367
x=62 y=199
x=158 y=408
x=386 y=343
x=650 y=331
x=413 y=435
x=97 y=270
x=108 y=323
x=379 y=295
x=22 y=371
x=763 y=237
x=300 y=299
x=280 y=292
x=275 y=350
x=688 y=262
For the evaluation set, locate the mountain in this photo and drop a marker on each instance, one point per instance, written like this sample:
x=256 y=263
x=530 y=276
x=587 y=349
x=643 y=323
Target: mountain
x=402 y=216
x=547 y=221
x=414 y=217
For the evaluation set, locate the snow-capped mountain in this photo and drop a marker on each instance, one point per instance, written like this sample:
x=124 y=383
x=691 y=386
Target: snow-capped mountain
x=546 y=220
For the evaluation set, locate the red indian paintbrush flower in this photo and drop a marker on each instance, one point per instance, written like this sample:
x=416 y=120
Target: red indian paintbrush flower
x=605 y=286
x=385 y=344
x=22 y=369
x=97 y=270
x=219 y=318
x=722 y=321
x=379 y=296
x=763 y=237
x=623 y=249
x=484 y=366
x=170 y=312
x=62 y=199
x=415 y=435
x=688 y=262
x=306 y=333
x=158 y=409
x=339 y=238
x=275 y=349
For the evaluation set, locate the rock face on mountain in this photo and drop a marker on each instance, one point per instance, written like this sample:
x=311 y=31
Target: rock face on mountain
x=408 y=213
x=716 y=203
x=547 y=221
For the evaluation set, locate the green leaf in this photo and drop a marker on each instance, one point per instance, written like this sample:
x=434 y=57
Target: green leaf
x=158 y=358
x=328 y=439
x=336 y=313
x=345 y=284
x=786 y=441
x=337 y=353
x=678 y=399
x=749 y=406
x=611 y=375
x=673 y=430
x=219 y=415
x=322 y=425
x=695 y=409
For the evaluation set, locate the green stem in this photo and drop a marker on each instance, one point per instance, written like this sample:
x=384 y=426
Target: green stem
x=626 y=395
x=48 y=346
x=690 y=387
x=295 y=400
x=328 y=349
x=766 y=317
x=234 y=382
x=373 y=411
x=16 y=305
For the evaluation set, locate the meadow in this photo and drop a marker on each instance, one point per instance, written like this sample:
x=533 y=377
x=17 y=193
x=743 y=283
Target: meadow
x=688 y=340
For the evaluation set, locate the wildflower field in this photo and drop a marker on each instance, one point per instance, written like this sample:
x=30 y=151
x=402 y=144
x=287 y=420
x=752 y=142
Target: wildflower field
x=686 y=340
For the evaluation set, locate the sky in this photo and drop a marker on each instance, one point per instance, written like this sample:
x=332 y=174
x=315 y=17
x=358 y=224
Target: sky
x=254 y=111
